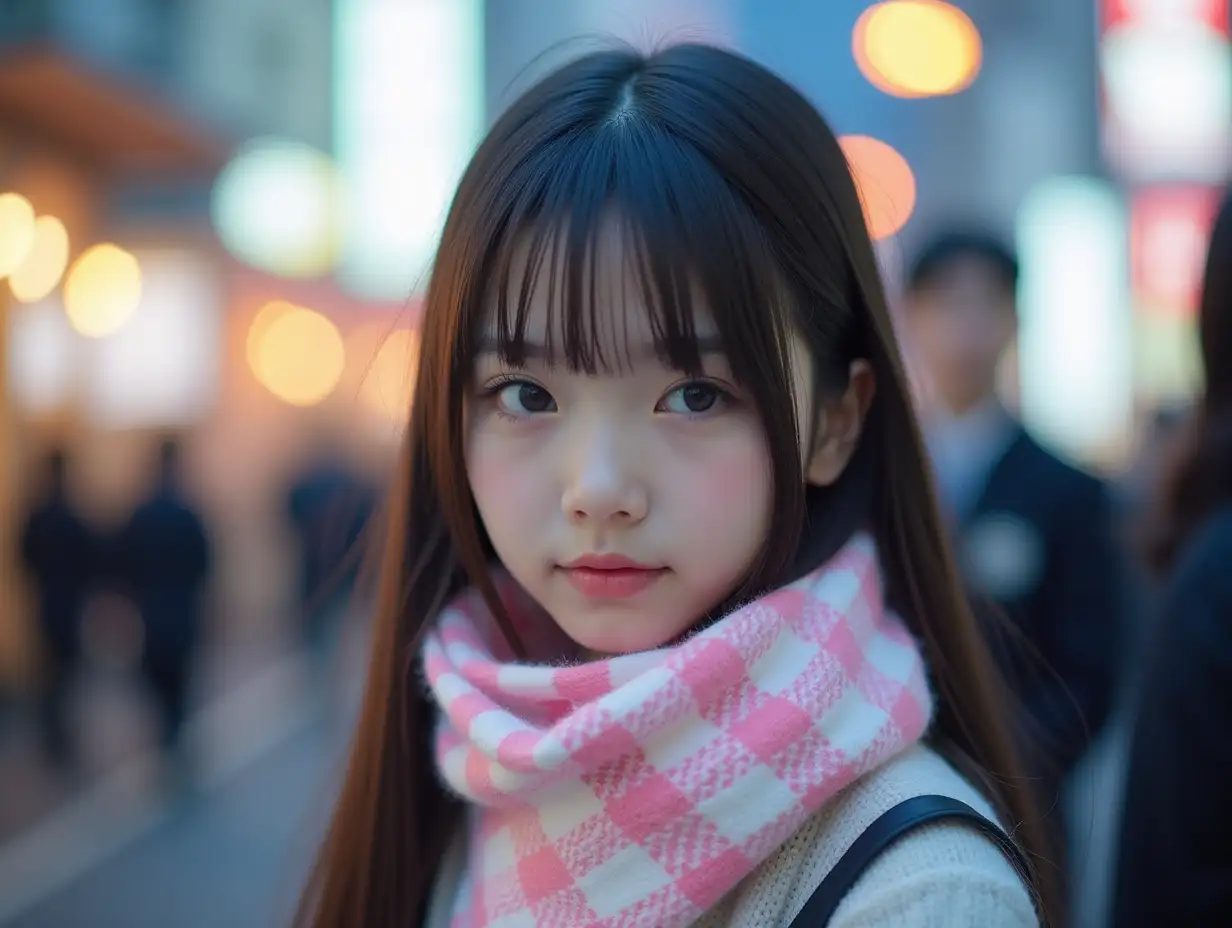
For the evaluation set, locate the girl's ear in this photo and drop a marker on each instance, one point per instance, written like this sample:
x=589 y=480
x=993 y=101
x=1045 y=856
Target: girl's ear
x=839 y=426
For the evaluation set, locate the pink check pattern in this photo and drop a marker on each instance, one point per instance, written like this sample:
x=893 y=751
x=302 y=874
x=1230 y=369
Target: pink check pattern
x=639 y=790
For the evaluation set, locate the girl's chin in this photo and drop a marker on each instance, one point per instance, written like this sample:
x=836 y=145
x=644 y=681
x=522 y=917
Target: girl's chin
x=604 y=631
x=597 y=649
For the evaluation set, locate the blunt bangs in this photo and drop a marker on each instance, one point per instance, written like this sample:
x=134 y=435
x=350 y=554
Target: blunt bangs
x=683 y=231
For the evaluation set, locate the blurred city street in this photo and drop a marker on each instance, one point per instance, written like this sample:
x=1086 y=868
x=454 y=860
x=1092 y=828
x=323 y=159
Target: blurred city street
x=217 y=220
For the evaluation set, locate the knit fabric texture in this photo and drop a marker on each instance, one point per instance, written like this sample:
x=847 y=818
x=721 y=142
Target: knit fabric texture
x=641 y=789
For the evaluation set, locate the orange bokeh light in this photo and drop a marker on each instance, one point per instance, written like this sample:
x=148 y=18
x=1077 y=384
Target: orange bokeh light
x=295 y=353
x=885 y=182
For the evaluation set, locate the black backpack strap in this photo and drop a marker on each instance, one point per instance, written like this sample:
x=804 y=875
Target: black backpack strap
x=903 y=818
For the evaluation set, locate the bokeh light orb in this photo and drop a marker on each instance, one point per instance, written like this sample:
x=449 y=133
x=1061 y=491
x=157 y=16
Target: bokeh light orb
x=16 y=231
x=102 y=290
x=1193 y=104
x=43 y=265
x=276 y=206
x=295 y=353
x=885 y=181
x=917 y=48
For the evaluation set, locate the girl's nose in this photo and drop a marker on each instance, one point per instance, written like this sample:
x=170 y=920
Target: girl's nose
x=602 y=488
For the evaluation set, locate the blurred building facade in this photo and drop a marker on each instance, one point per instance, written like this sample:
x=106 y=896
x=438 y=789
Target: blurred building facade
x=261 y=66
x=278 y=169
x=116 y=117
x=74 y=130
x=1030 y=114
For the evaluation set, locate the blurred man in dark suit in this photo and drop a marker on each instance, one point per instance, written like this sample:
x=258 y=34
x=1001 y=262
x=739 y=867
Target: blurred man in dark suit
x=162 y=558
x=1035 y=535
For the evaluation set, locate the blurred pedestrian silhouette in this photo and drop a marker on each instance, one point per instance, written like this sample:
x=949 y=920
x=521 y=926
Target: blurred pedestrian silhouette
x=1175 y=863
x=162 y=560
x=1036 y=537
x=329 y=505
x=1140 y=487
x=60 y=554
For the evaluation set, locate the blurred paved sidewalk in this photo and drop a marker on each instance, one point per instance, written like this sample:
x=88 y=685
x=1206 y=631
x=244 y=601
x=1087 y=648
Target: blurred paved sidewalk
x=113 y=722
x=235 y=857
x=253 y=701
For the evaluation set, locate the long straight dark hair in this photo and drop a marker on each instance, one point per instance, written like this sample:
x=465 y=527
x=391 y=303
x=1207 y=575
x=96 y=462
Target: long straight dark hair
x=1199 y=476
x=729 y=185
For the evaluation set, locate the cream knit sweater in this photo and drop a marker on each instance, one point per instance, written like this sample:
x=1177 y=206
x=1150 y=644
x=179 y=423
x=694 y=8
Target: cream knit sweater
x=941 y=876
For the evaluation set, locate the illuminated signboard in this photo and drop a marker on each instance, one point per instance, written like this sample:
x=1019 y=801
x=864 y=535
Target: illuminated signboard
x=163 y=367
x=1076 y=331
x=1169 y=231
x=1212 y=13
x=1166 y=88
x=408 y=115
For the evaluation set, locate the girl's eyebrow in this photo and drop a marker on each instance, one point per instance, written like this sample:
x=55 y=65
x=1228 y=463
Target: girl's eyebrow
x=706 y=345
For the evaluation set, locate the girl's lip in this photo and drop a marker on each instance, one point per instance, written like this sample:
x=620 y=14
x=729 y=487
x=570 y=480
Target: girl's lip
x=612 y=582
x=607 y=562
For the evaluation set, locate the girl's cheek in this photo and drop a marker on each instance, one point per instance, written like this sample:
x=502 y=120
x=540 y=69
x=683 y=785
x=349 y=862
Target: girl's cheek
x=499 y=472
x=741 y=470
x=486 y=473
x=738 y=476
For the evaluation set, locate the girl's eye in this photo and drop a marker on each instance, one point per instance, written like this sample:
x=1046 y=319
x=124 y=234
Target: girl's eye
x=692 y=399
x=523 y=398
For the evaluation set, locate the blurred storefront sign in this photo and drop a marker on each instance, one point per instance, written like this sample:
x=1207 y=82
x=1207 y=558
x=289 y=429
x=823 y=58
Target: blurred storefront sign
x=409 y=113
x=161 y=368
x=1211 y=13
x=1166 y=120
x=1075 y=344
x=129 y=340
x=1169 y=230
x=1166 y=89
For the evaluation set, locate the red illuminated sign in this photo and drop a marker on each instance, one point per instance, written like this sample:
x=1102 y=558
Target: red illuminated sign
x=1169 y=231
x=1141 y=12
x=1148 y=134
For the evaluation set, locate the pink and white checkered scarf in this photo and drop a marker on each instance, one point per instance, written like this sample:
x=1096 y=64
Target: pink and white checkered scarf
x=640 y=789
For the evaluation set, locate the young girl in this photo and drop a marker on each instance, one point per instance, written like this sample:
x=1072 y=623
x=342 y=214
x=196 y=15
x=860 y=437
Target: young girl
x=668 y=619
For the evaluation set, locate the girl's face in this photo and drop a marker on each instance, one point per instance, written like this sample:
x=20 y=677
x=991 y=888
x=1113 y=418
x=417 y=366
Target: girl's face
x=630 y=502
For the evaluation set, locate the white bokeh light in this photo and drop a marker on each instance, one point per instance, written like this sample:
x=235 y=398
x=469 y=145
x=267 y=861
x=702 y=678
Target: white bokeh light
x=409 y=114
x=276 y=206
x=1168 y=89
x=1075 y=344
